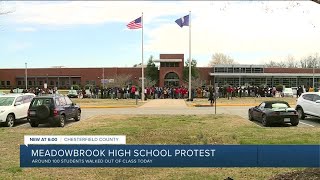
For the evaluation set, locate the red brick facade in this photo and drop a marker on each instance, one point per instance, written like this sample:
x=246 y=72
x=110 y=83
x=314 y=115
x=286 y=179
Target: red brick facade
x=165 y=70
x=65 y=77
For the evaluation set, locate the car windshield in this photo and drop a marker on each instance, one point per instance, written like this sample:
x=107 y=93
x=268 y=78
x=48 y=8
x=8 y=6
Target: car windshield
x=41 y=101
x=6 y=101
x=72 y=92
x=279 y=105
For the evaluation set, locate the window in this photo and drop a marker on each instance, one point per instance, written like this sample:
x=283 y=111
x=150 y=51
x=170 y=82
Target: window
x=51 y=83
x=27 y=98
x=62 y=101
x=308 y=97
x=41 y=83
x=262 y=105
x=63 y=83
x=19 y=99
x=57 y=102
x=316 y=97
x=74 y=82
x=19 y=83
x=2 y=83
x=69 y=102
x=30 y=83
x=8 y=83
x=171 y=75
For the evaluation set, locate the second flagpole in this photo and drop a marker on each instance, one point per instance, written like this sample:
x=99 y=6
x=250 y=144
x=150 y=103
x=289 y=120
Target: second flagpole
x=190 y=97
x=142 y=66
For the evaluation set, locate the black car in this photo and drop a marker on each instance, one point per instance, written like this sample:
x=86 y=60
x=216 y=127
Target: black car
x=269 y=112
x=53 y=109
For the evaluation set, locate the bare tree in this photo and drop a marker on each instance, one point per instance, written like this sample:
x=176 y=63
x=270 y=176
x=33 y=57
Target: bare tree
x=119 y=81
x=3 y=11
x=271 y=64
x=291 y=62
x=196 y=83
x=220 y=58
x=147 y=82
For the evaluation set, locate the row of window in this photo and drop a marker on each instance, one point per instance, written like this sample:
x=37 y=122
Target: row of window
x=288 y=82
x=52 y=83
x=237 y=70
x=169 y=64
x=5 y=83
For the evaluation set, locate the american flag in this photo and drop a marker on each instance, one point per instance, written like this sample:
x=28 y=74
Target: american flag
x=136 y=24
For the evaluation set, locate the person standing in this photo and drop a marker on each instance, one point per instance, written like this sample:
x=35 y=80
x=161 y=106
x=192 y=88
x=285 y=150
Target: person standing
x=211 y=96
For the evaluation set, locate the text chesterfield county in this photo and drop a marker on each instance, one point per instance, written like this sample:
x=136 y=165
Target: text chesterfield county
x=123 y=153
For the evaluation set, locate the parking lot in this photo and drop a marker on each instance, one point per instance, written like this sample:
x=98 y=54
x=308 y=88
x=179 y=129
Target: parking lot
x=241 y=111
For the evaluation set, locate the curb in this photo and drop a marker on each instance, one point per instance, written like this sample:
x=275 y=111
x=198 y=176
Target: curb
x=207 y=105
x=87 y=107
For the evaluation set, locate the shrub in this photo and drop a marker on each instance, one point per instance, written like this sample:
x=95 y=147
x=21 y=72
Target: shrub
x=279 y=87
x=75 y=87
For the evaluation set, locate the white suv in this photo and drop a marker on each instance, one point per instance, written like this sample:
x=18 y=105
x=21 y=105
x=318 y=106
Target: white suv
x=308 y=104
x=13 y=107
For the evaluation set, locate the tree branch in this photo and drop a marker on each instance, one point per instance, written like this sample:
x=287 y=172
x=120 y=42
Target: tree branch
x=316 y=1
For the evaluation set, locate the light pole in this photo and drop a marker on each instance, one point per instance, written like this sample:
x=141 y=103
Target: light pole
x=103 y=77
x=314 y=64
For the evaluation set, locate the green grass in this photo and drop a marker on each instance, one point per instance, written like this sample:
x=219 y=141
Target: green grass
x=252 y=101
x=182 y=129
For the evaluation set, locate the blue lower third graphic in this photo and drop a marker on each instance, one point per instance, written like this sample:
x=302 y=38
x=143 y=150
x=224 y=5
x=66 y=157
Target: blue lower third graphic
x=170 y=156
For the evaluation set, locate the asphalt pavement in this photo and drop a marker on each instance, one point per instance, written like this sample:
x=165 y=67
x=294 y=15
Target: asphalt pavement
x=175 y=107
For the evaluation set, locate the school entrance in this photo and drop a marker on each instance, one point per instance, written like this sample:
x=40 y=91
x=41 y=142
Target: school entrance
x=171 y=79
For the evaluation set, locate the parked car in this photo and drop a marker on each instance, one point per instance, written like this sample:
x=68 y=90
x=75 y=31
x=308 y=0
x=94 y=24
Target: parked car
x=308 y=104
x=54 y=109
x=287 y=92
x=72 y=94
x=14 y=107
x=269 y=112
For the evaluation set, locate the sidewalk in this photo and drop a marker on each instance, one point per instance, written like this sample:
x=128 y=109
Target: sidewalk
x=165 y=103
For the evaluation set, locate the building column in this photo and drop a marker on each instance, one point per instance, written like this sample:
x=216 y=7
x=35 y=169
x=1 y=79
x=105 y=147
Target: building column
x=70 y=82
x=36 y=81
x=58 y=82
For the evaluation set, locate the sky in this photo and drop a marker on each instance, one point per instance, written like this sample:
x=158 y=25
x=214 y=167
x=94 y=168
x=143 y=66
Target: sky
x=94 y=34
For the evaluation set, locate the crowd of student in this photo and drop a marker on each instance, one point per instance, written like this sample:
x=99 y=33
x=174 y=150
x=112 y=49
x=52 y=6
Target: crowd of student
x=132 y=92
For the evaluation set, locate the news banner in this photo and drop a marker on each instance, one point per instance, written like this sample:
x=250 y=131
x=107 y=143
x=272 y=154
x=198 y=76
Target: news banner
x=112 y=151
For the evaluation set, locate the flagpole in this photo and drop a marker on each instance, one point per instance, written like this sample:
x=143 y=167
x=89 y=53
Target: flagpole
x=190 y=56
x=142 y=84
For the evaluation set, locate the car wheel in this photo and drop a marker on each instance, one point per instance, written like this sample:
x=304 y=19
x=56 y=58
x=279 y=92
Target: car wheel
x=250 y=116
x=62 y=121
x=10 y=120
x=78 y=116
x=301 y=113
x=265 y=121
x=34 y=124
x=295 y=123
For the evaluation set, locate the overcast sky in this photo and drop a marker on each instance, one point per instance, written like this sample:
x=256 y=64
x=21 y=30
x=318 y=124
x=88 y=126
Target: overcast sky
x=94 y=34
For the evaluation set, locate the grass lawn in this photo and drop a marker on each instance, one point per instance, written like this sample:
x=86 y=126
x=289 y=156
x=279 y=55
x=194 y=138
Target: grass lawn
x=243 y=101
x=206 y=129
